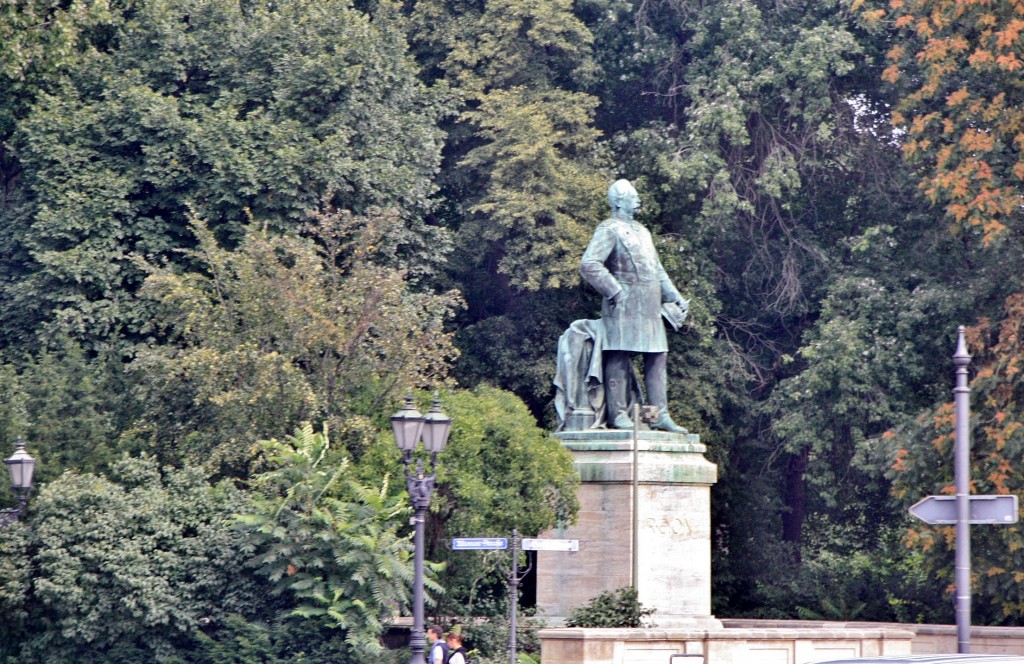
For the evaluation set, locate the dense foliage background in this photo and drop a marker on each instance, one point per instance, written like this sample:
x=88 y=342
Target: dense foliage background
x=234 y=233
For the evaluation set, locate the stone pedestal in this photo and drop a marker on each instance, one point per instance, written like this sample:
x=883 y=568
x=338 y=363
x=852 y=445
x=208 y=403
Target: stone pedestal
x=674 y=516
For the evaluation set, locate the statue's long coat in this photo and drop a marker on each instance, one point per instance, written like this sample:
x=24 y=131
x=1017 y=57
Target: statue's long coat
x=621 y=262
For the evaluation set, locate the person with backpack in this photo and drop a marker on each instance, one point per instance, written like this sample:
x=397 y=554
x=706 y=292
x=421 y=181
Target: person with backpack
x=438 y=647
x=457 y=654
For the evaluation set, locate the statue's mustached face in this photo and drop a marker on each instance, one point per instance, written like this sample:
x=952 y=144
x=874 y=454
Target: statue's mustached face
x=630 y=202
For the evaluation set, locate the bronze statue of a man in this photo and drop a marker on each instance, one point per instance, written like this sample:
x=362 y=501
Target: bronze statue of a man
x=622 y=264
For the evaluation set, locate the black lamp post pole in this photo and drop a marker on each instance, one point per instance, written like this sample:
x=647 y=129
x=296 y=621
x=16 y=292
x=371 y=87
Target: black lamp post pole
x=420 y=488
x=10 y=515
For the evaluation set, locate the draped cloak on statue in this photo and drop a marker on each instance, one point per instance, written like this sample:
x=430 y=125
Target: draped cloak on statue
x=579 y=378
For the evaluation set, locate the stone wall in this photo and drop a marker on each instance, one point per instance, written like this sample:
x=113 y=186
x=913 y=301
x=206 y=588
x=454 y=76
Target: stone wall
x=718 y=646
x=928 y=639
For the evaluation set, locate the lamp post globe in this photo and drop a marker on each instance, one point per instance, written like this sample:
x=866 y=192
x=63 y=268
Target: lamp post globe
x=436 y=427
x=409 y=427
x=20 y=467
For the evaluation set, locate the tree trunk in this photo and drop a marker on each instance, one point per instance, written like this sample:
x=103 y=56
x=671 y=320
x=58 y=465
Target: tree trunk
x=796 y=501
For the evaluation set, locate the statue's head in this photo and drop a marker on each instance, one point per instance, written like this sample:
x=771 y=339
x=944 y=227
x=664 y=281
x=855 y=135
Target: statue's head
x=623 y=199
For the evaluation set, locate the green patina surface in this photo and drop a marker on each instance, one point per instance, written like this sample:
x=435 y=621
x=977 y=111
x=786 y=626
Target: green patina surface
x=674 y=473
x=606 y=456
x=644 y=446
x=626 y=435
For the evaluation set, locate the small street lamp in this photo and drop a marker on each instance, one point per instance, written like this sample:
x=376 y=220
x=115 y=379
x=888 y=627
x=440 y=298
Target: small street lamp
x=433 y=428
x=20 y=465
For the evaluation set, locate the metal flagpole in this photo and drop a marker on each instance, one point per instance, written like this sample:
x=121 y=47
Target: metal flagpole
x=635 y=570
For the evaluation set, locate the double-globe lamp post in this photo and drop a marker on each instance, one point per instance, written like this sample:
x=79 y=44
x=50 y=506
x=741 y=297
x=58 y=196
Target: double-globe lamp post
x=20 y=465
x=433 y=428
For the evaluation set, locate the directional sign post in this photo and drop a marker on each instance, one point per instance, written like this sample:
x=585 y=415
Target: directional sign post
x=963 y=509
x=515 y=575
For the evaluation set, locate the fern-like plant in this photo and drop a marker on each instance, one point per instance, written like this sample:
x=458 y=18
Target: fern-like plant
x=333 y=544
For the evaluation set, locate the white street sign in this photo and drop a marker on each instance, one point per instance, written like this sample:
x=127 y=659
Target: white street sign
x=532 y=544
x=992 y=510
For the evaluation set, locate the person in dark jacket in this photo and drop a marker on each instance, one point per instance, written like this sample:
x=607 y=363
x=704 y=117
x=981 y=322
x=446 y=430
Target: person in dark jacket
x=438 y=648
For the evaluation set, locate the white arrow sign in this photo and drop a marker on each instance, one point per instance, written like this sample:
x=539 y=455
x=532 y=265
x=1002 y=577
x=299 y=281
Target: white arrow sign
x=992 y=510
x=531 y=544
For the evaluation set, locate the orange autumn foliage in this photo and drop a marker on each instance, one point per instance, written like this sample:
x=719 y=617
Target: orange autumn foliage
x=960 y=62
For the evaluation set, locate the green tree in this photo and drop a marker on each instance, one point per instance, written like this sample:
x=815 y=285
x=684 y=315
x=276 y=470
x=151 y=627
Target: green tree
x=523 y=177
x=70 y=407
x=535 y=213
x=866 y=359
x=329 y=542
x=747 y=144
x=759 y=129
x=38 y=41
x=127 y=570
x=499 y=472
x=758 y=154
x=281 y=330
x=344 y=181
x=268 y=110
x=14 y=587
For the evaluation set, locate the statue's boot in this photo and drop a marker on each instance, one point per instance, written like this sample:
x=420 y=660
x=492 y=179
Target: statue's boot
x=616 y=375
x=621 y=421
x=665 y=423
x=655 y=376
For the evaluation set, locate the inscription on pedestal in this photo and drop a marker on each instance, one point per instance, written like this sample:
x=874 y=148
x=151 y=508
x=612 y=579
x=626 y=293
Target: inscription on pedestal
x=673 y=527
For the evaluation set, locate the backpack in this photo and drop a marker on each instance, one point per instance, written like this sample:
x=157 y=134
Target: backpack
x=460 y=649
x=444 y=652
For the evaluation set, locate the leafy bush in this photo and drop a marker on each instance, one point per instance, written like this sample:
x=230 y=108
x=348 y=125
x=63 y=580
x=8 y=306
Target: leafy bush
x=328 y=542
x=618 y=608
x=123 y=569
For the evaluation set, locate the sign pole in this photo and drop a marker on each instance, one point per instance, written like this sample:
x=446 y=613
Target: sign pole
x=963 y=509
x=513 y=596
x=514 y=576
x=962 y=474
x=635 y=558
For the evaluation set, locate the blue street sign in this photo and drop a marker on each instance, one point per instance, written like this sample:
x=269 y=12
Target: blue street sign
x=479 y=543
